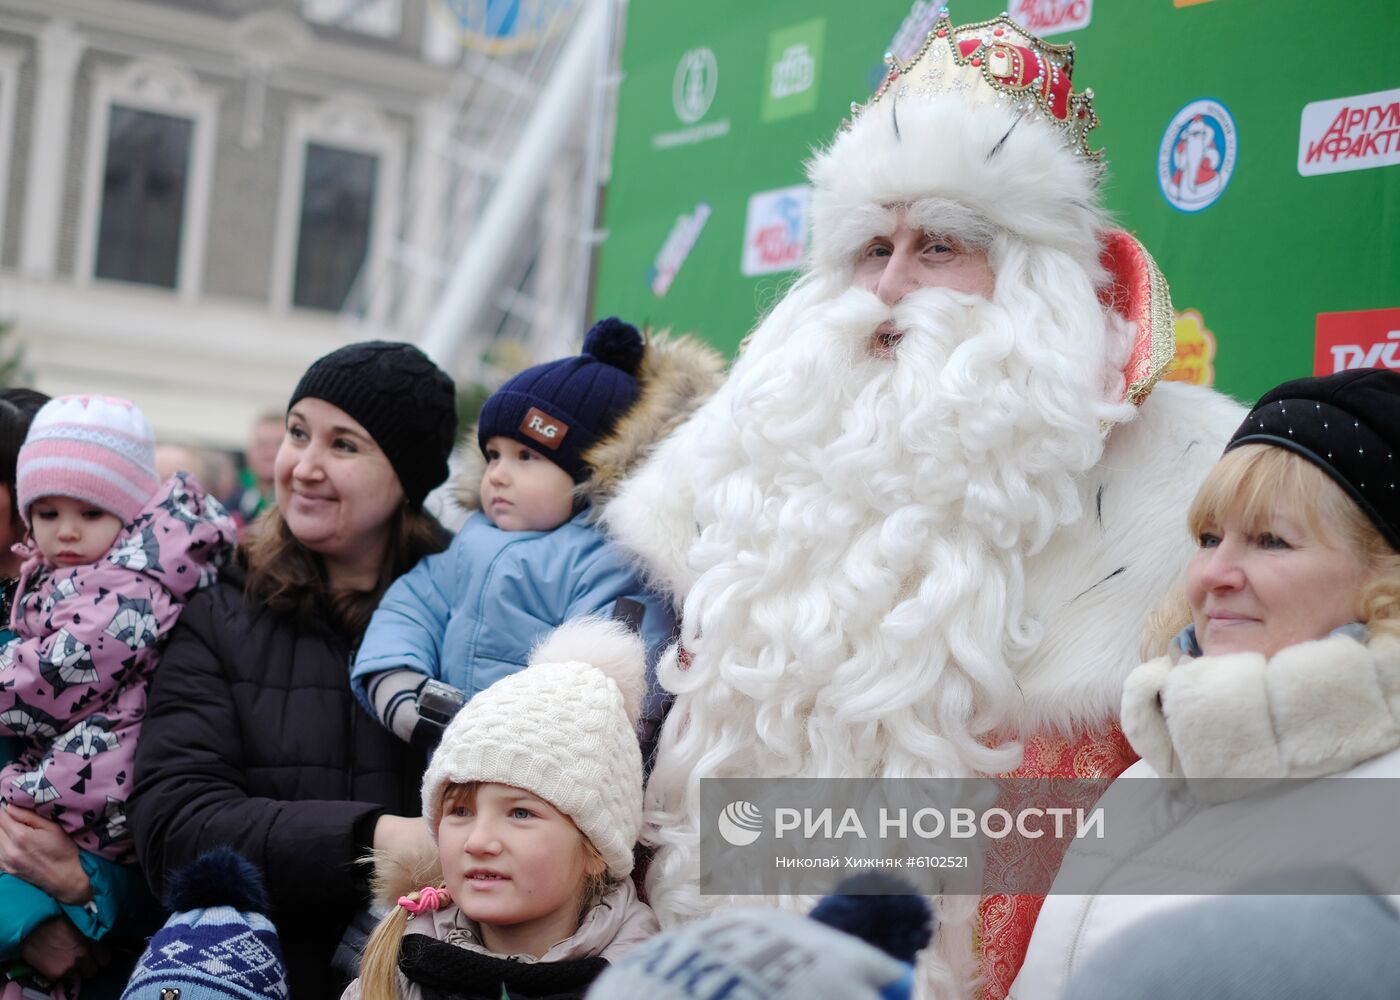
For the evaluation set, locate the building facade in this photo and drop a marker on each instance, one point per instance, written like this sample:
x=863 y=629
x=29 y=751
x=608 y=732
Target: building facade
x=199 y=197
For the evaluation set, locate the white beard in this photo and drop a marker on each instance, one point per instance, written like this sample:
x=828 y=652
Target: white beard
x=857 y=609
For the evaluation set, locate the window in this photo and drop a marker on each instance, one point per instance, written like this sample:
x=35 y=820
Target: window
x=338 y=210
x=150 y=162
x=143 y=197
x=10 y=60
x=337 y=205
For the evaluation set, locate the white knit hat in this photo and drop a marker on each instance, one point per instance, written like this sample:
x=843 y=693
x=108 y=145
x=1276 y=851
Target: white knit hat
x=97 y=449
x=564 y=728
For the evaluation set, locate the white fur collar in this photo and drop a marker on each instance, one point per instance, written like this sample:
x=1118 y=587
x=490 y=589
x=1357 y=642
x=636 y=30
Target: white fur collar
x=1313 y=709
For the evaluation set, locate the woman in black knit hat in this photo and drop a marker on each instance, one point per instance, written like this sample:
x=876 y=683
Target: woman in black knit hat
x=252 y=738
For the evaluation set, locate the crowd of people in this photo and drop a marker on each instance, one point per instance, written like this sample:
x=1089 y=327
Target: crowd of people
x=304 y=742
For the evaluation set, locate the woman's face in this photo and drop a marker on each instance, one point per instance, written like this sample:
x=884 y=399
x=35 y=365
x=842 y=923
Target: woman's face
x=1265 y=591
x=335 y=487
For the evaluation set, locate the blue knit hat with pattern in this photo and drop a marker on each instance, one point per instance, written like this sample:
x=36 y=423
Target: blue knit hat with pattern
x=218 y=945
x=563 y=408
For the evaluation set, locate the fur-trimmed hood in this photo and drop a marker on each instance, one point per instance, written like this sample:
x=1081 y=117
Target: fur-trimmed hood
x=677 y=374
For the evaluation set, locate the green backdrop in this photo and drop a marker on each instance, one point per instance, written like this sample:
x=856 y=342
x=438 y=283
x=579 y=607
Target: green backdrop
x=725 y=98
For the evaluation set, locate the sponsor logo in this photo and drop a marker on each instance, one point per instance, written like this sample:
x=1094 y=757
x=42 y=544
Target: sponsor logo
x=740 y=824
x=692 y=93
x=679 y=242
x=1188 y=3
x=1195 y=351
x=1046 y=17
x=540 y=426
x=1367 y=338
x=794 y=70
x=1350 y=133
x=1197 y=156
x=693 y=89
x=775 y=231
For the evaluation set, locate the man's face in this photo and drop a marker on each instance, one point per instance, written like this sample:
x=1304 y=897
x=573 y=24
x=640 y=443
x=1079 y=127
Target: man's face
x=908 y=259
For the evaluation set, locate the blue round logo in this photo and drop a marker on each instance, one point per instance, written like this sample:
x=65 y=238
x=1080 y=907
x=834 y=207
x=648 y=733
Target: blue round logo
x=1197 y=156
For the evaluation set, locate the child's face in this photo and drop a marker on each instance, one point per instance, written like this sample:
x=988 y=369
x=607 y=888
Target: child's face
x=72 y=532
x=514 y=864
x=522 y=490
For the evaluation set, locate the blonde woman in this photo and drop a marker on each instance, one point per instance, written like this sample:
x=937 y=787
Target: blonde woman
x=1288 y=669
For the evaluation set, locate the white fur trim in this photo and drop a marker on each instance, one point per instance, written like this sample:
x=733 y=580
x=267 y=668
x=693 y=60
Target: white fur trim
x=1217 y=709
x=1094 y=585
x=1033 y=186
x=1313 y=709
x=607 y=646
x=1143 y=722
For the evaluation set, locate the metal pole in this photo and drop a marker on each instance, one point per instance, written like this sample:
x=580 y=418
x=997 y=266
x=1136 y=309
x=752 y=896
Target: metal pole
x=475 y=276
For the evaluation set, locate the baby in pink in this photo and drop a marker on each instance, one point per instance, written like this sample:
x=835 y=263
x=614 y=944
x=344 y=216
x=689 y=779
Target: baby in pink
x=113 y=556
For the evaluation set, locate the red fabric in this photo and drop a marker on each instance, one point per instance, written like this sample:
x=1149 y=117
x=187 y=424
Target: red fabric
x=1023 y=67
x=1006 y=922
x=1129 y=293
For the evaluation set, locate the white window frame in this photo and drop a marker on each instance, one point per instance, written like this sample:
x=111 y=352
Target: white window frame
x=10 y=61
x=354 y=125
x=166 y=88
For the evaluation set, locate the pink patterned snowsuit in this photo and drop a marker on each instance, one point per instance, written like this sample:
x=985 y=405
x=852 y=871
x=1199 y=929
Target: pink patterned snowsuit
x=73 y=681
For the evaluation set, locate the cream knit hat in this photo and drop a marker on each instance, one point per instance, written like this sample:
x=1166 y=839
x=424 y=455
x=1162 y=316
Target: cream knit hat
x=564 y=728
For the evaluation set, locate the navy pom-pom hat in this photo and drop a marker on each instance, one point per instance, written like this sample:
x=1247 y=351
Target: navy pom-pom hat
x=219 y=943
x=563 y=408
x=1348 y=425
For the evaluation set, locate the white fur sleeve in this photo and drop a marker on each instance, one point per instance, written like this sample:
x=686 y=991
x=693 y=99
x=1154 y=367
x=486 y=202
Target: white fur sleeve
x=652 y=517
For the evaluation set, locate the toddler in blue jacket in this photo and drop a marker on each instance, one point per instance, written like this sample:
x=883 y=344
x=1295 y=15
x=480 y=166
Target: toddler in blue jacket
x=528 y=558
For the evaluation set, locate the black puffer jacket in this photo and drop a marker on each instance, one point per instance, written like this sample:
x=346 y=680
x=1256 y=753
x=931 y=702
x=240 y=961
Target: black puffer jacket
x=253 y=739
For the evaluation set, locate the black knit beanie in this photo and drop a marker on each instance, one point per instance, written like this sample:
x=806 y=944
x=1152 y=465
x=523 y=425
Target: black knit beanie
x=405 y=402
x=1348 y=425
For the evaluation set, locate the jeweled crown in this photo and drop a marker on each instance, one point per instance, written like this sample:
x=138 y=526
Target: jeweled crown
x=995 y=62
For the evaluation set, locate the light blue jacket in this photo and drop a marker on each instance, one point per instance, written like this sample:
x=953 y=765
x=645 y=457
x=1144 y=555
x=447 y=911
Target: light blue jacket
x=469 y=616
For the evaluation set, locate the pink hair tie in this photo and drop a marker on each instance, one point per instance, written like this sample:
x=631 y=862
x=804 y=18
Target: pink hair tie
x=429 y=898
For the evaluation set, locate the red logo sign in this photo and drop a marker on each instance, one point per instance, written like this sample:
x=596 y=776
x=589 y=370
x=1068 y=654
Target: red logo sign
x=1350 y=133
x=1368 y=338
x=1044 y=17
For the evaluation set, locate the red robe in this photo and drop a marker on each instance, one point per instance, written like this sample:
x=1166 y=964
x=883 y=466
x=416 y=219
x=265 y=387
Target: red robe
x=1005 y=921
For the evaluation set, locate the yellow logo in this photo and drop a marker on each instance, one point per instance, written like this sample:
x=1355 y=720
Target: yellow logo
x=1195 y=351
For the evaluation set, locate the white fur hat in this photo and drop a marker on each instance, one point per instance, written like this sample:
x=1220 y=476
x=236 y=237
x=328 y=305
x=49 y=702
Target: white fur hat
x=563 y=729
x=982 y=117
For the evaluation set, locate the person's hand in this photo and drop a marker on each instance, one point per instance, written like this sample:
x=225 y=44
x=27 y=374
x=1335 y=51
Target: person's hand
x=54 y=949
x=37 y=850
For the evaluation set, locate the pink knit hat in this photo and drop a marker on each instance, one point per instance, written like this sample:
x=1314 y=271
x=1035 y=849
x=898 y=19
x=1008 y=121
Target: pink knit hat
x=93 y=448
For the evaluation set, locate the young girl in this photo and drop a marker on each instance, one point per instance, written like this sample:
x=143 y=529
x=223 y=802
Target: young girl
x=535 y=799
x=113 y=556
